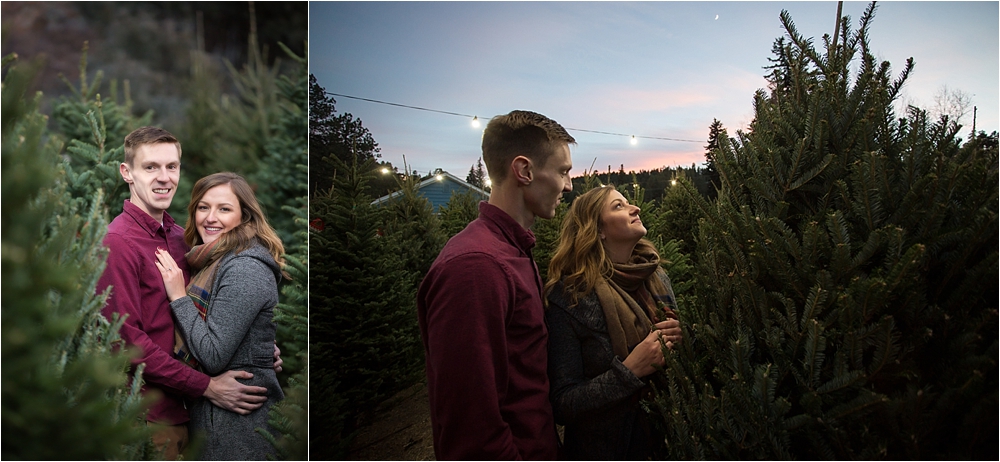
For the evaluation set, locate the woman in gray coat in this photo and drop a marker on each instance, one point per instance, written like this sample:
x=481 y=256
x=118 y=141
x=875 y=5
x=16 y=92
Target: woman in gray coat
x=610 y=312
x=224 y=315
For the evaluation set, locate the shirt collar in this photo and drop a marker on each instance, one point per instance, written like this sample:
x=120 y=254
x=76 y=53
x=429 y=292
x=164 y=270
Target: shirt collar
x=147 y=222
x=518 y=235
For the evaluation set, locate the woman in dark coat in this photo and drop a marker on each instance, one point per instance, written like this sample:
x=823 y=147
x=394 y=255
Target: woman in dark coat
x=224 y=315
x=610 y=313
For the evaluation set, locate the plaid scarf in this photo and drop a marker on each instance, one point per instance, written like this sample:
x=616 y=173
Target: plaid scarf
x=634 y=299
x=203 y=267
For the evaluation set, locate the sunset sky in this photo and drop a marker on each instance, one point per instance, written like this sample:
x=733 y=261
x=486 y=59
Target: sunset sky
x=657 y=69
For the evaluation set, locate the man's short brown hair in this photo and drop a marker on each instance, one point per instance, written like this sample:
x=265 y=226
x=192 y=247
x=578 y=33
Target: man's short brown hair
x=147 y=135
x=520 y=133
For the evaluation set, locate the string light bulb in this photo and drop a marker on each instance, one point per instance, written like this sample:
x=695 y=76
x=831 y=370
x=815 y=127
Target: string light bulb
x=634 y=141
x=475 y=121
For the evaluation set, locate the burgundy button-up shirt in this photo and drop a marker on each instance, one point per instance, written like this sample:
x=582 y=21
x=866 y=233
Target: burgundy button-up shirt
x=483 y=327
x=138 y=293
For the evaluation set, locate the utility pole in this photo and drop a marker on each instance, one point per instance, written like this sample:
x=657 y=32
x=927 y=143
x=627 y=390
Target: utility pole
x=836 y=28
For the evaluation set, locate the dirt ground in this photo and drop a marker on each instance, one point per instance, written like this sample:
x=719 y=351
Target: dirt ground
x=401 y=429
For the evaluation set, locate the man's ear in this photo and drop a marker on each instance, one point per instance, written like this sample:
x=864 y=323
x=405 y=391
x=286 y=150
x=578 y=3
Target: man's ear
x=126 y=173
x=521 y=168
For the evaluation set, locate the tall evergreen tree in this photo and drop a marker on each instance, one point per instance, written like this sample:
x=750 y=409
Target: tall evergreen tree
x=477 y=175
x=68 y=113
x=462 y=208
x=716 y=132
x=847 y=293
x=289 y=417
x=415 y=232
x=282 y=178
x=64 y=384
x=361 y=317
x=680 y=213
x=340 y=136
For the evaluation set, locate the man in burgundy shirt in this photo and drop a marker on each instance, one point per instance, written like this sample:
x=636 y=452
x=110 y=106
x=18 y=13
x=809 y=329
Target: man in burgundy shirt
x=152 y=171
x=480 y=305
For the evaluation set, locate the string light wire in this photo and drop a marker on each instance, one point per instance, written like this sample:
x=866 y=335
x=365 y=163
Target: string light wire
x=476 y=117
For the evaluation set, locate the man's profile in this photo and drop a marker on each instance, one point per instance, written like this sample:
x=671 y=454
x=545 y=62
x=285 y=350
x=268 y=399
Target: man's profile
x=480 y=305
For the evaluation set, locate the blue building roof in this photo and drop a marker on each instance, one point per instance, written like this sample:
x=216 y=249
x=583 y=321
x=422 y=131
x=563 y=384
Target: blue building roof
x=438 y=190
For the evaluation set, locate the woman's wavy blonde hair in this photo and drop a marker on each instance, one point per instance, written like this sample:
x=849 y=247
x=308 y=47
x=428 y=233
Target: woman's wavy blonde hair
x=580 y=260
x=254 y=223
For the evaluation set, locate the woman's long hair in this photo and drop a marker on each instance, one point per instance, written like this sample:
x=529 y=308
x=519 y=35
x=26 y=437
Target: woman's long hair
x=580 y=257
x=254 y=223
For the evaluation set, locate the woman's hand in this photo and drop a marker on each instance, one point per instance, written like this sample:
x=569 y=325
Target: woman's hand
x=645 y=356
x=173 y=277
x=670 y=331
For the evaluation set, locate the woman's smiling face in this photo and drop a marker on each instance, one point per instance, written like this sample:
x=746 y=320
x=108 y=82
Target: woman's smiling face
x=218 y=212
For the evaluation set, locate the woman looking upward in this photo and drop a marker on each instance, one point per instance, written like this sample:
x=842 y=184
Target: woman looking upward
x=611 y=310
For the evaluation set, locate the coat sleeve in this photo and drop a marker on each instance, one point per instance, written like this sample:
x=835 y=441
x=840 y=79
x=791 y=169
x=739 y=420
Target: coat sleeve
x=573 y=394
x=244 y=286
x=122 y=274
x=467 y=304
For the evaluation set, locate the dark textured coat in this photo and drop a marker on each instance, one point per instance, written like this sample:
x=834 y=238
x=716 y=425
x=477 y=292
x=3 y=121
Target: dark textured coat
x=238 y=335
x=593 y=394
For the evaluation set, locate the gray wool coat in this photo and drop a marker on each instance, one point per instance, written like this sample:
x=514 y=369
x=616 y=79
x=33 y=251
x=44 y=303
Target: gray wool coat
x=238 y=334
x=593 y=394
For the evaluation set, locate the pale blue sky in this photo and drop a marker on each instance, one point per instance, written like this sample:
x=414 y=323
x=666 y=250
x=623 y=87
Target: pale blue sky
x=660 y=69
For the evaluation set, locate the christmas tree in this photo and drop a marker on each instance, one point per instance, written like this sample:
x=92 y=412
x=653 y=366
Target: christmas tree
x=847 y=271
x=462 y=208
x=362 y=321
x=679 y=213
x=716 y=132
x=282 y=176
x=289 y=417
x=64 y=382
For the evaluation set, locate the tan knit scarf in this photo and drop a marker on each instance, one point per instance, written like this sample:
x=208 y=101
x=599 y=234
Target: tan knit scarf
x=630 y=321
x=203 y=268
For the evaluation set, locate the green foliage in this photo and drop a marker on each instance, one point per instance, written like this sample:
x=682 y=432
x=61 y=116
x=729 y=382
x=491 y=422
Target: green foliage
x=292 y=313
x=234 y=127
x=462 y=208
x=477 y=175
x=547 y=239
x=414 y=233
x=73 y=118
x=64 y=384
x=95 y=131
x=847 y=301
x=258 y=132
x=364 y=346
x=282 y=177
x=679 y=213
x=289 y=418
x=716 y=133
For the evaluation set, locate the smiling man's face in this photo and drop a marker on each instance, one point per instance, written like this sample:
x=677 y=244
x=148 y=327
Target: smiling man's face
x=153 y=176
